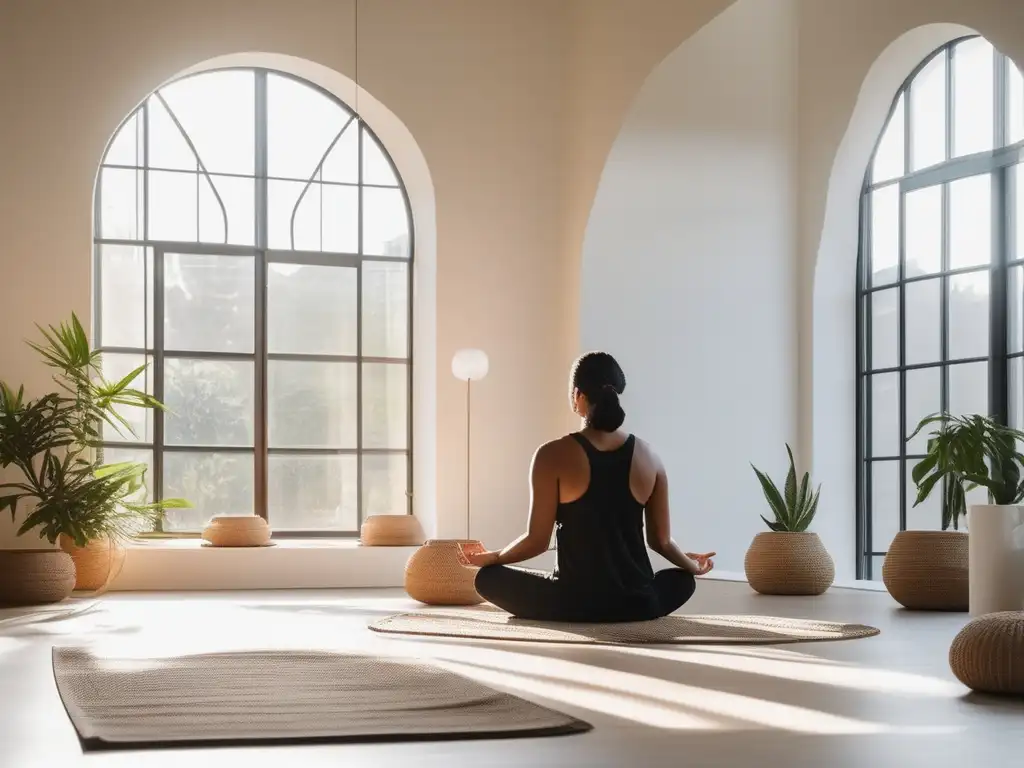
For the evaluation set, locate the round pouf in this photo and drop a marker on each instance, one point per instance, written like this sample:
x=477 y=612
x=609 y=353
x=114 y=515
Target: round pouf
x=35 y=576
x=780 y=563
x=97 y=563
x=391 y=531
x=239 y=531
x=435 y=573
x=927 y=570
x=988 y=654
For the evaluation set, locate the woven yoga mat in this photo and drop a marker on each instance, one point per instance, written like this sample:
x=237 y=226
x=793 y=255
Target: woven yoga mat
x=488 y=623
x=299 y=697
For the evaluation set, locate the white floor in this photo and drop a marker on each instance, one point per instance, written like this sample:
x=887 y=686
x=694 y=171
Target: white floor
x=884 y=701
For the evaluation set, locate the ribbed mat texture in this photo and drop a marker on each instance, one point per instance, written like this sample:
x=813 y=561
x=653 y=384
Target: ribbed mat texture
x=292 y=696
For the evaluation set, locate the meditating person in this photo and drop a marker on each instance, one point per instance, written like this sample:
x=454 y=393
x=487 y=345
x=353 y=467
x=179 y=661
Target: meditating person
x=596 y=488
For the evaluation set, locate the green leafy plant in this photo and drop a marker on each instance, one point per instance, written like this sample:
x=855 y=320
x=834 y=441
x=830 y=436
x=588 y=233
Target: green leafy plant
x=968 y=452
x=55 y=443
x=795 y=506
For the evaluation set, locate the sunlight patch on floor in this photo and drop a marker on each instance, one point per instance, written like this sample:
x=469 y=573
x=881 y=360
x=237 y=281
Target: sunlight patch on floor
x=821 y=671
x=619 y=694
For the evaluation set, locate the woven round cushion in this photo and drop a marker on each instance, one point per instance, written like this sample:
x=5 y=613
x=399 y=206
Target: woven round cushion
x=97 y=563
x=788 y=564
x=391 y=531
x=927 y=570
x=437 y=575
x=35 y=576
x=237 y=531
x=988 y=654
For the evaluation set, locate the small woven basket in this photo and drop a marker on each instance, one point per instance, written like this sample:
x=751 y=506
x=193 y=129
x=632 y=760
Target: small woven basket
x=96 y=564
x=780 y=563
x=988 y=654
x=391 y=531
x=240 y=531
x=927 y=570
x=35 y=576
x=435 y=574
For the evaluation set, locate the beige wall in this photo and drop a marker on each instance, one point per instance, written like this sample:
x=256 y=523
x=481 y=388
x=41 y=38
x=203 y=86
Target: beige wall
x=478 y=84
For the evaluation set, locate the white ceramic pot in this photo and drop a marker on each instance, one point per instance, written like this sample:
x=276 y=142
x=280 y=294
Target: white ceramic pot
x=996 y=558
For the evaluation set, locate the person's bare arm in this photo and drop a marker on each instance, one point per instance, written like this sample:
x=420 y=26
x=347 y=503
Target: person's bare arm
x=543 y=507
x=659 y=530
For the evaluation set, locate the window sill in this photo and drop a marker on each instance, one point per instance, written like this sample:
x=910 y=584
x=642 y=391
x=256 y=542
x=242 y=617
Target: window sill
x=194 y=542
x=186 y=565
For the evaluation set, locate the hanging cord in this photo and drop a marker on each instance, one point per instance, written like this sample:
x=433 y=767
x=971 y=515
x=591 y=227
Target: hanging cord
x=355 y=47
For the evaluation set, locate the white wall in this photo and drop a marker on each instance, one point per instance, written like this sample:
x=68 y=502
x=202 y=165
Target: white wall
x=689 y=269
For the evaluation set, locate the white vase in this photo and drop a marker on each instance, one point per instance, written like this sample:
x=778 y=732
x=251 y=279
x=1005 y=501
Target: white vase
x=996 y=557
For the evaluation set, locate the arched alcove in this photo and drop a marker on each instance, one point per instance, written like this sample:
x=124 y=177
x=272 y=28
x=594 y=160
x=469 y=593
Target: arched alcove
x=834 y=328
x=343 y=251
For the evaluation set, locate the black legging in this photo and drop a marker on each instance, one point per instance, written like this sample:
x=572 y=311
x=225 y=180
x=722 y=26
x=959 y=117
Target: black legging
x=542 y=597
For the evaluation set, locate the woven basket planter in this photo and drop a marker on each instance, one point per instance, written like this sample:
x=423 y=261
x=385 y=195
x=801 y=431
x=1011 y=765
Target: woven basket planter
x=35 y=576
x=988 y=654
x=96 y=564
x=435 y=574
x=927 y=570
x=391 y=531
x=240 y=531
x=788 y=564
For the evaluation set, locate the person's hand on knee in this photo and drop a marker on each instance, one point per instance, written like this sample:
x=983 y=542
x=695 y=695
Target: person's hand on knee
x=703 y=561
x=477 y=557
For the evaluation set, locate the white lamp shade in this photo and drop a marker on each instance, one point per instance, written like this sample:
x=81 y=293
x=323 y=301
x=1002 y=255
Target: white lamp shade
x=470 y=364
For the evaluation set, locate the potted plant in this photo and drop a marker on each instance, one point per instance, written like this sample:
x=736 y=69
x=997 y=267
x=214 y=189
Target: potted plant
x=930 y=570
x=789 y=559
x=54 y=442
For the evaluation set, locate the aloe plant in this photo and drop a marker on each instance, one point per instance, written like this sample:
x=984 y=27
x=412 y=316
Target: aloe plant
x=968 y=452
x=795 y=506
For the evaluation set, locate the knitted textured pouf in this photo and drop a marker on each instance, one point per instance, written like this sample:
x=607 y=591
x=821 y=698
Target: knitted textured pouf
x=927 y=570
x=988 y=654
x=391 y=531
x=788 y=564
x=237 y=531
x=35 y=576
x=436 y=574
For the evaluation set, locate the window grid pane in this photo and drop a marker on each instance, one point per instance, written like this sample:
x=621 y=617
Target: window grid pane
x=192 y=166
x=931 y=256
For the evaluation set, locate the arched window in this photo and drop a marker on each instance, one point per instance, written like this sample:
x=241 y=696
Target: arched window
x=940 y=278
x=253 y=245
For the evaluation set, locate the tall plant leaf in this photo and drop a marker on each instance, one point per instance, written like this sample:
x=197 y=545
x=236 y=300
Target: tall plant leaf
x=52 y=441
x=794 y=508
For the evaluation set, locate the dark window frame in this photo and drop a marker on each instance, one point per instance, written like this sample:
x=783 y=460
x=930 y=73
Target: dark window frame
x=999 y=164
x=262 y=254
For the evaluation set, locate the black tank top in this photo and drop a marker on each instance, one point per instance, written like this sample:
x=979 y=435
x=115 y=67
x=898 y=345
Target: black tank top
x=600 y=536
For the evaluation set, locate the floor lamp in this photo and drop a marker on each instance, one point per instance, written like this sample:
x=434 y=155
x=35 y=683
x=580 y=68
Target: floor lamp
x=437 y=573
x=469 y=365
